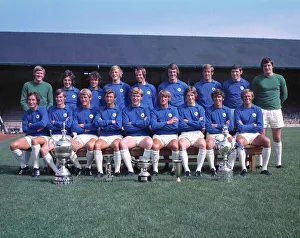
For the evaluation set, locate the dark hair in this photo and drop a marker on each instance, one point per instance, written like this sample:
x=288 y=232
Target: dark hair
x=191 y=89
x=237 y=66
x=216 y=93
x=37 y=96
x=94 y=75
x=59 y=91
x=141 y=69
x=266 y=60
x=173 y=66
x=109 y=91
x=69 y=73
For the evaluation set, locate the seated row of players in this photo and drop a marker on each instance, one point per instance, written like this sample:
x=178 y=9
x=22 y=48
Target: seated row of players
x=151 y=129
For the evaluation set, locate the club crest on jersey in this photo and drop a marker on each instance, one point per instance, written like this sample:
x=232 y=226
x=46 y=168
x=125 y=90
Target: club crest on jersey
x=121 y=90
x=170 y=115
x=196 y=113
x=224 y=114
x=37 y=116
x=114 y=114
x=91 y=116
x=179 y=89
x=73 y=96
x=148 y=92
x=242 y=88
x=99 y=97
x=65 y=114
x=142 y=115
x=253 y=114
x=213 y=89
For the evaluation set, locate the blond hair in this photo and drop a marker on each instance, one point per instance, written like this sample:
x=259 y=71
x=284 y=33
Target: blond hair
x=116 y=67
x=164 y=93
x=39 y=68
x=85 y=91
x=137 y=90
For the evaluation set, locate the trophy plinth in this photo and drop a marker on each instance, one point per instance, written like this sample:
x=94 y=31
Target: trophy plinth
x=225 y=174
x=178 y=169
x=224 y=147
x=63 y=151
x=63 y=176
x=144 y=175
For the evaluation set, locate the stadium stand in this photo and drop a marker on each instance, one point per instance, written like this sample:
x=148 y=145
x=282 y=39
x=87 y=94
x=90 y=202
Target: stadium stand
x=12 y=120
x=291 y=115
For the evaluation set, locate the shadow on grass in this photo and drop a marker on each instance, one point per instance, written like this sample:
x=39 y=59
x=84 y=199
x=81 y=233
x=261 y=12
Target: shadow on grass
x=8 y=169
x=49 y=180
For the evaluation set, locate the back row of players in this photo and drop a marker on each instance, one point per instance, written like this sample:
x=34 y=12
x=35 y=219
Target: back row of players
x=232 y=88
x=151 y=123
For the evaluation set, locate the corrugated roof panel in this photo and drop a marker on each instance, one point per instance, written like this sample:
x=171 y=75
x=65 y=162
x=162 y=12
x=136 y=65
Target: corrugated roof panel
x=28 y=48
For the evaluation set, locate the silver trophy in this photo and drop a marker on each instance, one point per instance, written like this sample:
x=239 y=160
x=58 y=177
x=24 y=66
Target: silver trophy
x=108 y=169
x=178 y=169
x=224 y=147
x=63 y=151
x=143 y=165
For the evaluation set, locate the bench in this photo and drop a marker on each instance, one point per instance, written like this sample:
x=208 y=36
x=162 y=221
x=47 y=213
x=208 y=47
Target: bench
x=251 y=152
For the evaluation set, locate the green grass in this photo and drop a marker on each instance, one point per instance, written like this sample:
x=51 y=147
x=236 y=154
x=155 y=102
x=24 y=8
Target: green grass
x=255 y=206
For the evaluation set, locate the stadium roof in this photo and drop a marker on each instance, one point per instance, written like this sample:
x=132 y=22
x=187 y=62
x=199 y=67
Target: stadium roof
x=72 y=49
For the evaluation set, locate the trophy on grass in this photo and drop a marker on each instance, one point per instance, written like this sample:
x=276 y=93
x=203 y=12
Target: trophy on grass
x=143 y=165
x=224 y=147
x=108 y=169
x=63 y=150
x=178 y=169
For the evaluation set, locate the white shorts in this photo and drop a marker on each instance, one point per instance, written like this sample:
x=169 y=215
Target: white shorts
x=110 y=139
x=28 y=138
x=249 y=137
x=137 y=139
x=84 y=138
x=165 y=139
x=191 y=136
x=273 y=118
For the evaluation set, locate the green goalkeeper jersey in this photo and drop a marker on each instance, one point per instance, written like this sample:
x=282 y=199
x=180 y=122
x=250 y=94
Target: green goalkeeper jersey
x=269 y=91
x=44 y=89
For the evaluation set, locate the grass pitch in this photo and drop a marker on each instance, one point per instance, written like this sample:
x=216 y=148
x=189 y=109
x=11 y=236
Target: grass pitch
x=255 y=206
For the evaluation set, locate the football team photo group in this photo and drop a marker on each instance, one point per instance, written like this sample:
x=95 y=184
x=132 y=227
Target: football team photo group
x=173 y=115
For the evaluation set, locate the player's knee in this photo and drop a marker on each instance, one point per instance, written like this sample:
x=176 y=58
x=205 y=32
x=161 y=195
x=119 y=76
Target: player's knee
x=34 y=141
x=13 y=146
x=156 y=146
x=174 y=146
x=267 y=142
